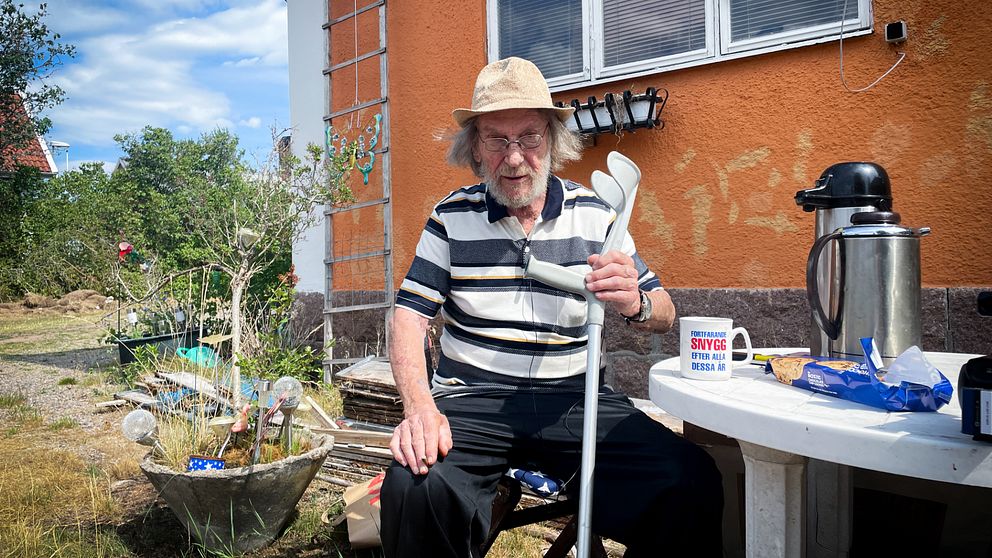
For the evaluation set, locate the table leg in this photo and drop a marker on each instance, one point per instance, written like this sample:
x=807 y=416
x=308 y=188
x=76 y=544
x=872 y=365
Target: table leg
x=828 y=509
x=774 y=483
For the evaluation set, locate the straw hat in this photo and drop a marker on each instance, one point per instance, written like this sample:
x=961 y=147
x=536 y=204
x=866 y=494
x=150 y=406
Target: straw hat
x=511 y=83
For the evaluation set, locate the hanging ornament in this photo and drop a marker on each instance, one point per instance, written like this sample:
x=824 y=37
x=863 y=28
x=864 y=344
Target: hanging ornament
x=123 y=249
x=366 y=168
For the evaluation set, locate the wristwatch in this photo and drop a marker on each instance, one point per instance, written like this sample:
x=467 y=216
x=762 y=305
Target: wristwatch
x=645 y=313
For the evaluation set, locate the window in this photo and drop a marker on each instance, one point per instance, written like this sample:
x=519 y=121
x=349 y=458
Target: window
x=577 y=42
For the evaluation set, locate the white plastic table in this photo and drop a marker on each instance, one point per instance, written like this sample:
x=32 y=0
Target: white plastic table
x=779 y=427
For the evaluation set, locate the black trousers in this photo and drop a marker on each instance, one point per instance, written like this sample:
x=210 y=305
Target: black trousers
x=653 y=491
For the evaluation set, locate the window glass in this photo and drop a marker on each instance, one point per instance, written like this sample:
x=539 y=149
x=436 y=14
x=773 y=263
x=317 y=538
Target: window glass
x=750 y=19
x=548 y=33
x=635 y=30
x=575 y=42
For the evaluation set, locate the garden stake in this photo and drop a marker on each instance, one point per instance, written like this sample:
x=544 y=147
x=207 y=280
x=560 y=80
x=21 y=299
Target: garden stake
x=263 y=387
x=224 y=445
x=256 y=449
x=222 y=429
x=618 y=192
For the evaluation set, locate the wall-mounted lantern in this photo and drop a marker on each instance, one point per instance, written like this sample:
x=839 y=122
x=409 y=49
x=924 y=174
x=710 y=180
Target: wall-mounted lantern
x=626 y=111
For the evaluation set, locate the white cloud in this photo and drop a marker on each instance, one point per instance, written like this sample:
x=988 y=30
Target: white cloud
x=67 y=17
x=256 y=31
x=178 y=5
x=170 y=73
x=253 y=122
x=244 y=62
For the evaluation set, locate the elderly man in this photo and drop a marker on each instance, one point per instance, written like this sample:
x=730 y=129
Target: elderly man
x=508 y=390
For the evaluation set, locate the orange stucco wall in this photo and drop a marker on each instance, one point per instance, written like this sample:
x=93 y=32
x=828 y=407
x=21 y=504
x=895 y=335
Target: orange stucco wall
x=716 y=205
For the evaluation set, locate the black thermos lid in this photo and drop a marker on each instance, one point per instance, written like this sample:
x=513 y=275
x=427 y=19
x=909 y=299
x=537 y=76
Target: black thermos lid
x=848 y=185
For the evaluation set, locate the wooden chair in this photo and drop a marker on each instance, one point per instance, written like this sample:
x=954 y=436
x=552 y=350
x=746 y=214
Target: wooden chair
x=506 y=516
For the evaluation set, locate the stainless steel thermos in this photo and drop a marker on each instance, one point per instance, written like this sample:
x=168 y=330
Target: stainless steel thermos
x=876 y=288
x=843 y=190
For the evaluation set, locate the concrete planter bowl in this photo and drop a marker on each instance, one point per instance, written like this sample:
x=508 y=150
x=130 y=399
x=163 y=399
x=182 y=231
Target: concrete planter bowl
x=233 y=511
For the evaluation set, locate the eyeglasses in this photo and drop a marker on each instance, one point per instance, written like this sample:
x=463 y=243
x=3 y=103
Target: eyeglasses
x=526 y=142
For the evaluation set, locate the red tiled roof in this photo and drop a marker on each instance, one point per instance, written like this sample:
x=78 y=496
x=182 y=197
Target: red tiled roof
x=34 y=154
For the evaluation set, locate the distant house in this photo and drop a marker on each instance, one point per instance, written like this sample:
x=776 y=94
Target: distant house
x=34 y=154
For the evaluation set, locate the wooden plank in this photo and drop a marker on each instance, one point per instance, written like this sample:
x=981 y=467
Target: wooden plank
x=112 y=404
x=387 y=420
x=320 y=415
x=364 y=437
x=215 y=339
x=352 y=393
x=137 y=397
x=373 y=372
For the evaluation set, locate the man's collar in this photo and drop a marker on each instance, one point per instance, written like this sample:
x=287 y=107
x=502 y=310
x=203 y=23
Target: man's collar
x=552 y=202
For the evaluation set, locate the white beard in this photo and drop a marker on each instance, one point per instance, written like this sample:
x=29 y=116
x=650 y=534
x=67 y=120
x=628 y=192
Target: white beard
x=538 y=186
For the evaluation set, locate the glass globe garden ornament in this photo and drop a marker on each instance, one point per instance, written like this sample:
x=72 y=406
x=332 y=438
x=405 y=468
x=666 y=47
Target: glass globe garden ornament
x=140 y=426
x=294 y=394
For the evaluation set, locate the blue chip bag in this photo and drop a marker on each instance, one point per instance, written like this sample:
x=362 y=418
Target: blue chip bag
x=910 y=384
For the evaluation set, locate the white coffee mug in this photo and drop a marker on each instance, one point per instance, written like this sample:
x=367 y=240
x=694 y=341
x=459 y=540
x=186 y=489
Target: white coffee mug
x=707 y=347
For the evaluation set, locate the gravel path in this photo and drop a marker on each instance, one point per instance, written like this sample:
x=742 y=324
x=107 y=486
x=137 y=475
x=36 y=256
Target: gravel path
x=51 y=359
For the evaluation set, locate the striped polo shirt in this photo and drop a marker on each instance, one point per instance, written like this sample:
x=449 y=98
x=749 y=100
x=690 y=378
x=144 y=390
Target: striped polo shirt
x=502 y=330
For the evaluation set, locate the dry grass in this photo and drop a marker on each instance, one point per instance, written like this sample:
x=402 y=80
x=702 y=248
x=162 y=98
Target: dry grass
x=328 y=397
x=31 y=333
x=516 y=543
x=180 y=438
x=52 y=504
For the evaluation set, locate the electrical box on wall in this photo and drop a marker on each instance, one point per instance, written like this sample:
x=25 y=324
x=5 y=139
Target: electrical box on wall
x=896 y=31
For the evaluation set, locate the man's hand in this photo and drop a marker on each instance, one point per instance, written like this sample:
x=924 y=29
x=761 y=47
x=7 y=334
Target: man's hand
x=614 y=280
x=418 y=440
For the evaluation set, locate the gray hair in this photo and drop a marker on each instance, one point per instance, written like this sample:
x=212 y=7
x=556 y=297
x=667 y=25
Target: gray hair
x=564 y=144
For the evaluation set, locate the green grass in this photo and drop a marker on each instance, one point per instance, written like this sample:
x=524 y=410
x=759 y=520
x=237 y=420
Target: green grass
x=10 y=347
x=11 y=400
x=17 y=325
x=63 y=423
x=26 y=415
x=19 y=413
x=40 y=333
x=67 y=381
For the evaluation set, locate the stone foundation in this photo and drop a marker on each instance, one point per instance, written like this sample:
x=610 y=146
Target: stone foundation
x=773 y=318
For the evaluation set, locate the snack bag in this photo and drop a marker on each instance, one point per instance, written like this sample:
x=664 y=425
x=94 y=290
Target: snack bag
x=910 y=384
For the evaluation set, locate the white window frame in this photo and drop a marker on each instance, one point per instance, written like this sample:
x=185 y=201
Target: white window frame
x=718 y=44
x=566 y=81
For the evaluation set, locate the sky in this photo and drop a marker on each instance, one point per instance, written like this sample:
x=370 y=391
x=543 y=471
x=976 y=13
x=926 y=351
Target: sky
x=190 y=66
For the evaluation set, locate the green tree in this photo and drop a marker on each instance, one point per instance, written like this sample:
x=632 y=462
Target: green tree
x=249 y=220
x=161 y=183
x=17 y=190
x=67 y=242
x=29 y=52
x=70 y=227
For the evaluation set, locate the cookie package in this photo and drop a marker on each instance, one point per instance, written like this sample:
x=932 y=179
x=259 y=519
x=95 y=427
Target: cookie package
x=921 y=387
